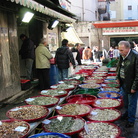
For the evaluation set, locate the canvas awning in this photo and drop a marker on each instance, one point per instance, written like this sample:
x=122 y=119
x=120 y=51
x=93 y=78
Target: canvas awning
x=72 y=36
x=111 y=24
x=45 y=10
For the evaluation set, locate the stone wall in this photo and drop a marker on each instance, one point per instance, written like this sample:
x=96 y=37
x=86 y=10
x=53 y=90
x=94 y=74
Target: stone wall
x=9 y=58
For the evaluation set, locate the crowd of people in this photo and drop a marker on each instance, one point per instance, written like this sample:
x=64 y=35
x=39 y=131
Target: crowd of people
x=127 y=68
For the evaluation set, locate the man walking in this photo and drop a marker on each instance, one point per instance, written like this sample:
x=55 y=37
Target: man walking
x=63 y=58
x=127 y=76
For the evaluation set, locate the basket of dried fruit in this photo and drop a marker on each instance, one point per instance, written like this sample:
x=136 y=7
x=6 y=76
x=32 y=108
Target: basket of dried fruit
x=96 y=129
x=97 y=81
x=74 y=109
x=13 y=128
x=29 y=113
x=99 y=74
x=87 y=91
x=49 y=135
x=104 y=115
x=54 y=92
x=110 y=85
x=47 y=101
x=106 y=103
x=64 y=124
x=70 y=82
x=111 y=89
x=81 y=98
x=90 y=86
x=67 y=87
x=109 y=94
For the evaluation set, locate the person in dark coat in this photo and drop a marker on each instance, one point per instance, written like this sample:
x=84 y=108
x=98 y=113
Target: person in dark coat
x=76 y=49
x=63 y=58
x=127 y=77
x=27 y=53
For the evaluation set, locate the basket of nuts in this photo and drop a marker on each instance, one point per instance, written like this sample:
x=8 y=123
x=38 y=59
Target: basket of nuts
x=14 y=128
x=97 y=129
x=29 y=113
x=81 y=98
x=104 y=115
x=106 y=103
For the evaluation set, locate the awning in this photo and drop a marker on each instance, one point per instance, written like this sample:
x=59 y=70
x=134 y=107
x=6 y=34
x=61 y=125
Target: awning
x=115 y=24
x=72 y=36
x=43 y=9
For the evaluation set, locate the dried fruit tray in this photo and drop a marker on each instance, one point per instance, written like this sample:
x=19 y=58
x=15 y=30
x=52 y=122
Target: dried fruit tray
x=29 y=113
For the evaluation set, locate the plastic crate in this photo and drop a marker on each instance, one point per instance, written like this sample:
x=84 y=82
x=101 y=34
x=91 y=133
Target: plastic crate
x=25 y=84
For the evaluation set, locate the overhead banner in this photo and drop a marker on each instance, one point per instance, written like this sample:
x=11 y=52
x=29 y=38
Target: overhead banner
x=120 y=31
x=43 y=9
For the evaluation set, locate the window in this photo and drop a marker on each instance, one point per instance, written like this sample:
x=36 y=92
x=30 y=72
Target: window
x=129 y=7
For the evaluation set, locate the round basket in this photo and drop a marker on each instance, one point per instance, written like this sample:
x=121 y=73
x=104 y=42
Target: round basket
x=96 y=128
x=54 y=92
x=81 y=99
x=17 y=128
x=87 y=91
x=42 y=100
x=106 y=103
x=104 y=115
x=74 y=109
x=70 y=82
x=64 y=87
x=109 y=94
x=90 y=86
x=29 y=113
x=110 y=85
x=58 y=135
x=64 y=124
x=98 y=81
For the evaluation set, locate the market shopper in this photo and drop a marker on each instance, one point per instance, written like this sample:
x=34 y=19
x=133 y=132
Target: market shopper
x=76 y=49
x=43 y=57
x=63 y=58
x=27 y=53
x=127 y=76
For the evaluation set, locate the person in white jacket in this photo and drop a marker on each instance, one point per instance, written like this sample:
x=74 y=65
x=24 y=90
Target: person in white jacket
x=116 y=53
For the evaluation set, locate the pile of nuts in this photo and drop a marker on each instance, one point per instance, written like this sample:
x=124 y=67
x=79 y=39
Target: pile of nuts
x=107 y=103
x=104 y=114
x=100 y=130
x=9 y=129
x=90 y=85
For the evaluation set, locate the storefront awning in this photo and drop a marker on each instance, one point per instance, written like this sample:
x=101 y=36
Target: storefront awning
x=115 y=24
x=72 y=36
x=45 y=10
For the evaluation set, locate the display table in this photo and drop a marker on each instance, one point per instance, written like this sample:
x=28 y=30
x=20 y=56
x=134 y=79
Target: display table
x=35 y=124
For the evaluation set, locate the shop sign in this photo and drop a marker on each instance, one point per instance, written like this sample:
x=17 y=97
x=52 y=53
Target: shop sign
x=120 y=30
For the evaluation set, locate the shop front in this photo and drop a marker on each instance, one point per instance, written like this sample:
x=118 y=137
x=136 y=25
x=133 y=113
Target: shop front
x=11 y=26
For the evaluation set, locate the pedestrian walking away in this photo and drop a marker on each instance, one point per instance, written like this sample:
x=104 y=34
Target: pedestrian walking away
x=63 y=58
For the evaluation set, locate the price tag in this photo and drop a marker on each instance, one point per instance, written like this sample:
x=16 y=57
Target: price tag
x=15 y=109
x=103 y=84
x=71 y=86
x=61 y=92
x=20 y=128
x=98 y=102
x=44 y=91
x=61 y=82
x=29 y=99
x=58 y=107
x=46 y=121
x=86 y=128
x=0 y=123
x=53 y=86
x=94 y=113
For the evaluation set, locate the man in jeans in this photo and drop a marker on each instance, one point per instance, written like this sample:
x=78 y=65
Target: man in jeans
x=27 y=54
x=127 y=76
x=63 y=58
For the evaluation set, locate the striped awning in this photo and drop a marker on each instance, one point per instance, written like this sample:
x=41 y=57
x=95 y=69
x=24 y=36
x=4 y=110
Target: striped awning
x=45 y=10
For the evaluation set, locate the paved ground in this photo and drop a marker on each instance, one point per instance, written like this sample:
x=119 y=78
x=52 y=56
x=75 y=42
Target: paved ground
x=126 y=132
